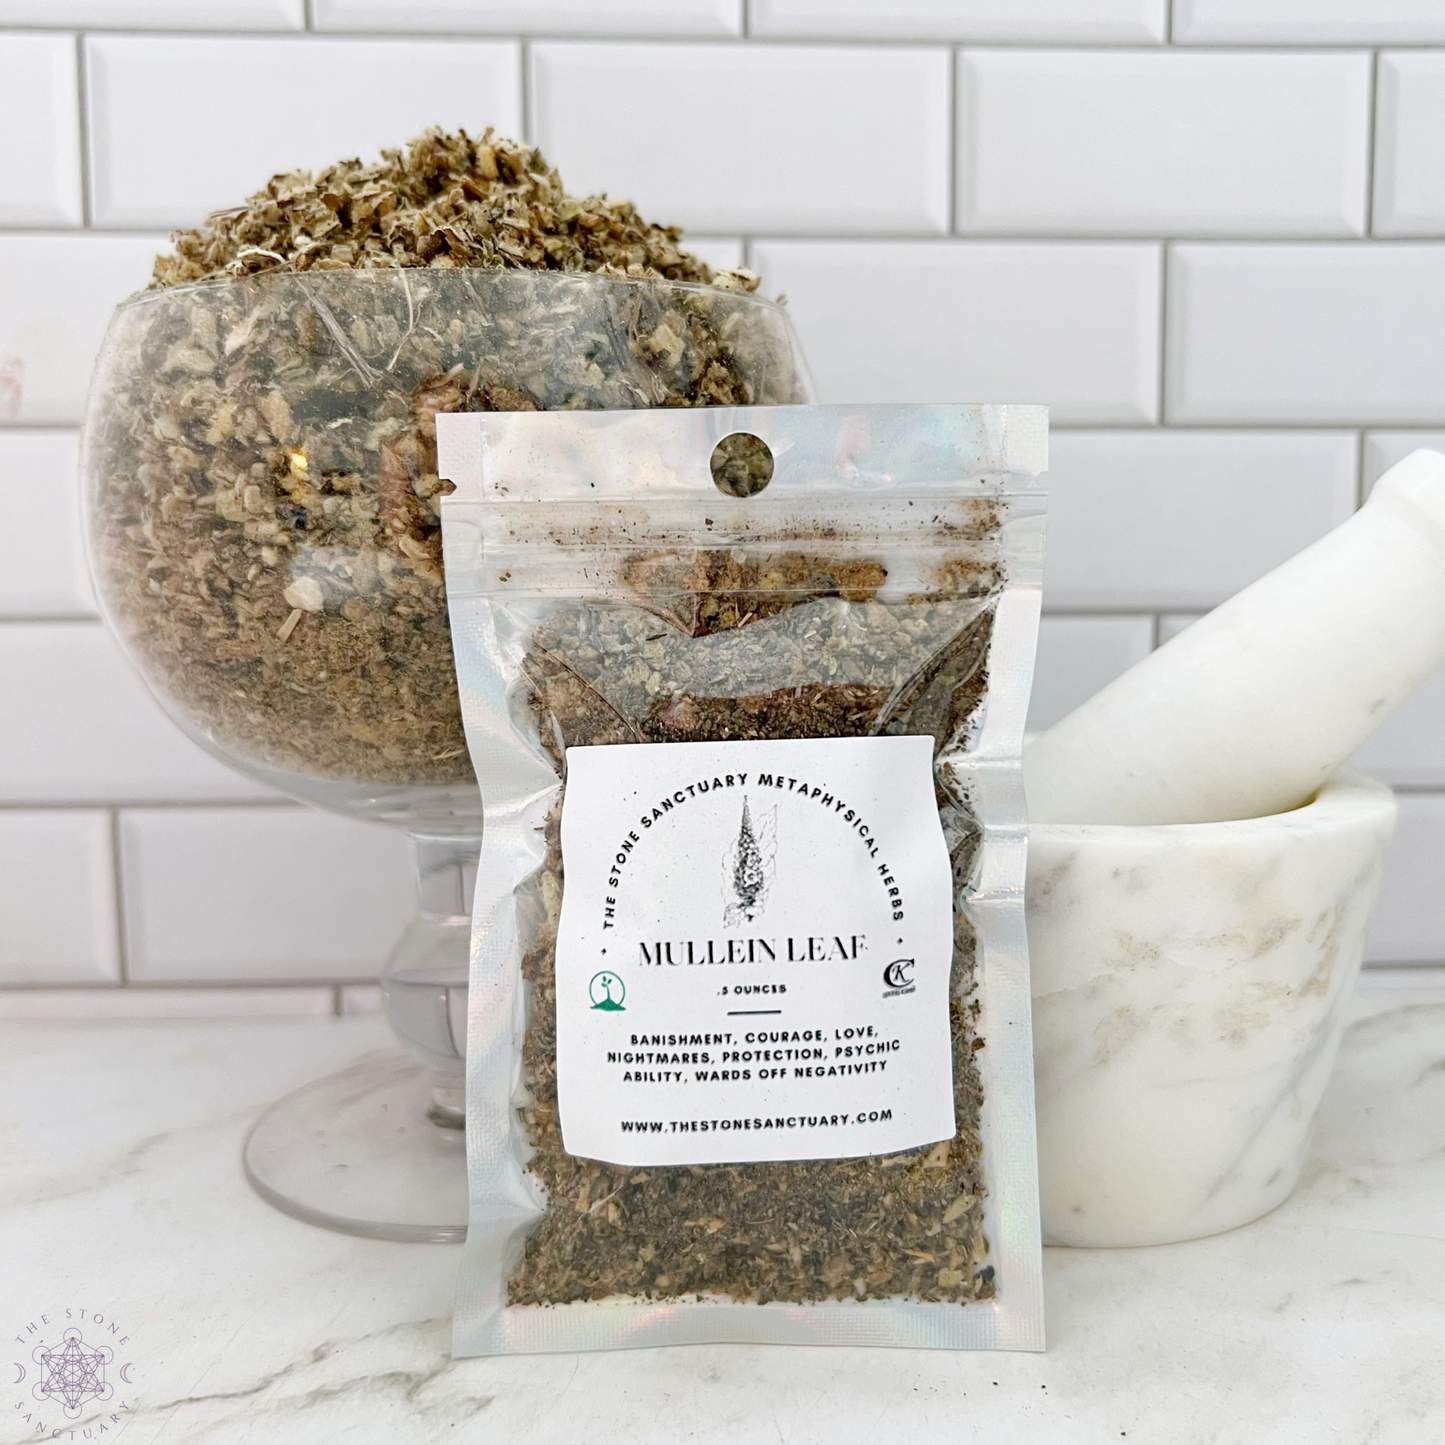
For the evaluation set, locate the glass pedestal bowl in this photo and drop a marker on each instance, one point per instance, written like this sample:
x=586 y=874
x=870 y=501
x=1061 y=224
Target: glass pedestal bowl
x=264 y=525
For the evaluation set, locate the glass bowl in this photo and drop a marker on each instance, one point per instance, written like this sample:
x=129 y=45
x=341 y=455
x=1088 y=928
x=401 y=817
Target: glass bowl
x=264 y=526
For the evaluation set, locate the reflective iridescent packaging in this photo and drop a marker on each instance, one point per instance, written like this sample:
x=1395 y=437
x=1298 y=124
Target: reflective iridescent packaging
x=749 y=1054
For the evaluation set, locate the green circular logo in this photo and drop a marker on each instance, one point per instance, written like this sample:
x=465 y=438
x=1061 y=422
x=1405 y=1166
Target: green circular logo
x=607 y=991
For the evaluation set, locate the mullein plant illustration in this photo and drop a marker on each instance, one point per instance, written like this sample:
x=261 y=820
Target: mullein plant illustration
x=748 y=868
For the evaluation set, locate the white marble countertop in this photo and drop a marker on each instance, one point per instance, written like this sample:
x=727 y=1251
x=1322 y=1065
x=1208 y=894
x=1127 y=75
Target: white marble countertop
x=121 y=1193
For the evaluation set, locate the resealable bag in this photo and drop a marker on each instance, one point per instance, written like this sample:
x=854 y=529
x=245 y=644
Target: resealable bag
x=749 y=1053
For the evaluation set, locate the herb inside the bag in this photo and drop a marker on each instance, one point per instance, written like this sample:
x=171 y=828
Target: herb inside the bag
x=722 y=646
x=263 y=450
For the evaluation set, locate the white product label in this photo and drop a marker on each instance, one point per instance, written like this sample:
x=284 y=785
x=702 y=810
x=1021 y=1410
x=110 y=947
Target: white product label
x=754 y=951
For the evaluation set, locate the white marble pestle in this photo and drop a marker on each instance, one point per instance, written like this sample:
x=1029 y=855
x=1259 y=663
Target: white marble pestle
x=1247 y=712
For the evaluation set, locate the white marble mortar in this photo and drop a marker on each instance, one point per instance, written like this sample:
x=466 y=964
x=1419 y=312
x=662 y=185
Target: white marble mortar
x=1189 y=989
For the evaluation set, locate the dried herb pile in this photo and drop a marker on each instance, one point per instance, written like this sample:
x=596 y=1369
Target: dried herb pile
x=261 y=442
x=447 y=200
x=725 y=647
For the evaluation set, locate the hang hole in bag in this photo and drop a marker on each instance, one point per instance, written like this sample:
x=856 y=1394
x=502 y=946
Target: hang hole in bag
x=741 y=464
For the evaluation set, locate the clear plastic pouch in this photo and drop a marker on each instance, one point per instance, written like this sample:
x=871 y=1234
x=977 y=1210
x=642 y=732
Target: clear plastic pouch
x=749 y=1053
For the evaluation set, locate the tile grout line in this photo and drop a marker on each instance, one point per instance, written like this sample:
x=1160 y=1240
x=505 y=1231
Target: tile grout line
x=82 y=97
x=747 y=18
x=117 y=876
x=1083 y=46
x=1371 y=137
x=1105 y=613
x=198 y=985
x=1162 y=394
x=524 y=56
x=148 y=805
x=838 y=42
x=1360 y=469
x=47 y=619
x=1420 y=965
x=1098 y=611
x=954 y=57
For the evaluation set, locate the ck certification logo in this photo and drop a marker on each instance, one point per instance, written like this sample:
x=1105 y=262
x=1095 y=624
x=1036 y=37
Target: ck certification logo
x=898 y=977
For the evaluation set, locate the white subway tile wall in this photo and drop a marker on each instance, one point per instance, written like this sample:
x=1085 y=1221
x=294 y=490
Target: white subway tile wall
x=57 y=897
x=1182 y=519
x=1307 y=22
x=1306 y=334
x=1127 y=22
x=1409 y=179
x=1073 y=324
x=143 y=1003
x=56 y=295
x=711 y=18
x=78 y=726
x=358 y=998
x=158 y=14
x=1162 y=142
x=1077 y=656
x=258 y=894
x=1211 y=237
x=43 y=572
x=166 y=148
x=772 y=138
x=722 y=253
x=1384 y=448
x=1171 y=624
x=1410 y=915
x=40 y=116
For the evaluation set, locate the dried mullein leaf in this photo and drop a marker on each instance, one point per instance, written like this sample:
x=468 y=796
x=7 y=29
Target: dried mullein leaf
x=449 y=198
x=908 y=1226
x=263 y=442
